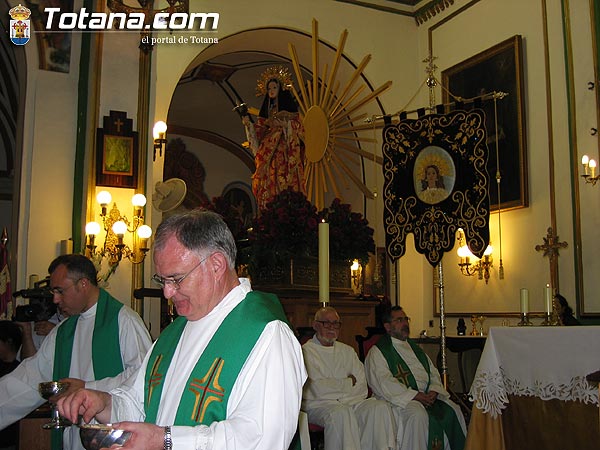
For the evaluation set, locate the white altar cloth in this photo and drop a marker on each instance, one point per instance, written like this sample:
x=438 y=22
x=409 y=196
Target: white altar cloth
x=545 y=362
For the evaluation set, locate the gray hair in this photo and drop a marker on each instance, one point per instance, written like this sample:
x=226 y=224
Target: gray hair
x=325 y=309
x=198 y=230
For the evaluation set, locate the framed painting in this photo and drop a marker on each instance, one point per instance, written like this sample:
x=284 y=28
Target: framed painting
x=116 y=152
x=497 y=69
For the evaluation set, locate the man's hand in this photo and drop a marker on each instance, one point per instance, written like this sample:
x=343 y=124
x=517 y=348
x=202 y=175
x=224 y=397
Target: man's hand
x=25 y=327
x=86 y=403
x=43 y=327
x=146 y=436
x=74 y=385
x=426 y=400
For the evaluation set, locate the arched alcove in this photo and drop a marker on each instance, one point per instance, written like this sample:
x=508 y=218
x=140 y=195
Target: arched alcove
x=224 y=75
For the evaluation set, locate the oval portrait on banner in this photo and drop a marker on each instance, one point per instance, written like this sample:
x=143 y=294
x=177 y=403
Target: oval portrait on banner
x=434 y=175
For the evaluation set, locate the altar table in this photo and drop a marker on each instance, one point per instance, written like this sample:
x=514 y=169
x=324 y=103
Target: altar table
x=530 y=391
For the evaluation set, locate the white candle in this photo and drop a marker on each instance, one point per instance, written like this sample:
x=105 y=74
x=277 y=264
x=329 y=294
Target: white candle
x=548 y=298
x=66 y=247
x=324 y=262
x=33 y=278
x=524 y=301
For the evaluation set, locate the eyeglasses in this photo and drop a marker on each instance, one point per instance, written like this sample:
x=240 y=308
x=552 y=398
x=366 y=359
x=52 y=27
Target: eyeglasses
x=61 y=291
x=327 y=324
x=401 y=319
x=175 y=283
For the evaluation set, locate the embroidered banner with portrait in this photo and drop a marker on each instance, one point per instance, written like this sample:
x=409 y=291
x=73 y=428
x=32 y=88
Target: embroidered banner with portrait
x=436 y=181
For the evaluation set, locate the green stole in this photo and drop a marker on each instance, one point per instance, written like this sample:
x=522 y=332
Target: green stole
x=210 y=383
x=441 y=415
x=213 y=377
x=106 y=350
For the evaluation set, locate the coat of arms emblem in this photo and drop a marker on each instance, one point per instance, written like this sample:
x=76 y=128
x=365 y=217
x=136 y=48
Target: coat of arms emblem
x=19 y=24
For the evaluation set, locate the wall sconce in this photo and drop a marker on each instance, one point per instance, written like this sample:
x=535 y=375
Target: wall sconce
x=469 y=263
x=589 y=170
x=116 y=227
x=160 y=138
x=356 y=275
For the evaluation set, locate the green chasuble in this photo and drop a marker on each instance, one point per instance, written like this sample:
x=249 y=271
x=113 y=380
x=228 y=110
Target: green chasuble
x=213 y=377
x=208 y=387
x=106 y=350
x=441 y=415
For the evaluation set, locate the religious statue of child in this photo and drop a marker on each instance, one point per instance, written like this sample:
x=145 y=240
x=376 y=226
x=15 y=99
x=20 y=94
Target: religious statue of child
x=276 y=139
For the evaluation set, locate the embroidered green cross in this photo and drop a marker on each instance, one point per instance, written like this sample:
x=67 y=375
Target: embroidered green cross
x=155 y=377
x=402 y=376
x=208 y=390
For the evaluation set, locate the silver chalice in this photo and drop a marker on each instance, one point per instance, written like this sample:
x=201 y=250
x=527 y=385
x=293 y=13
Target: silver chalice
x=47 y=389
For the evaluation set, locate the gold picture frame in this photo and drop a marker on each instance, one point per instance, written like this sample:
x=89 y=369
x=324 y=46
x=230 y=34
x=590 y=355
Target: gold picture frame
x=499 y=69
x=117 y=152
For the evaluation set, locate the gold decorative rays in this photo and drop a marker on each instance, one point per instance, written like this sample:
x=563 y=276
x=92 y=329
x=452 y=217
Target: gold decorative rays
x=330 y=113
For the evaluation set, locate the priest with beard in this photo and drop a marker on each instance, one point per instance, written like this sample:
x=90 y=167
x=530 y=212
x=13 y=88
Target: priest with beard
x=400 y=372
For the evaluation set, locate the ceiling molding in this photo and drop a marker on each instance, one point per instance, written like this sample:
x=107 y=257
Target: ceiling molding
x=408 y=8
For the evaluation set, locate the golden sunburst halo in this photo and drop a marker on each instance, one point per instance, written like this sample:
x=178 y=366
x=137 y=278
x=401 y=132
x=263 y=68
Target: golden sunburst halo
x=330 y=113
x=279 y=73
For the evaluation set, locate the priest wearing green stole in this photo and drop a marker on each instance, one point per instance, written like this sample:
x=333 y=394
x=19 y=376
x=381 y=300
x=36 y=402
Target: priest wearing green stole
x=399 y=371
x=99 y=346
x=226 y=374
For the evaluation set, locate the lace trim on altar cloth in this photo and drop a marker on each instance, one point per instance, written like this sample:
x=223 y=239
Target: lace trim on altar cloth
x=490 y=391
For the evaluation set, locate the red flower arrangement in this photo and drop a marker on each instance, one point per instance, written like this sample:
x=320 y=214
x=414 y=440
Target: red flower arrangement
x=287 y=228
x=350 y=236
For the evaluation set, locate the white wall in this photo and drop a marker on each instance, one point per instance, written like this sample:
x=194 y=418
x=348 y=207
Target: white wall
x=398 y=47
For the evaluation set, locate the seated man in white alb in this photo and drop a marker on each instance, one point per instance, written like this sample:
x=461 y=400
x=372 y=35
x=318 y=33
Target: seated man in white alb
x=335 y=394
x=399 y=371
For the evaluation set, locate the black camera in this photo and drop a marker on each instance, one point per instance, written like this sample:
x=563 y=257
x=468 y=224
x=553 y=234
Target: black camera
x=41 y=305
x=37 y=310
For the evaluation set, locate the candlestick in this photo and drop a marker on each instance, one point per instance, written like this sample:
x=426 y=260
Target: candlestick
x=548 y=299
x=324 y=263
x=524 y=301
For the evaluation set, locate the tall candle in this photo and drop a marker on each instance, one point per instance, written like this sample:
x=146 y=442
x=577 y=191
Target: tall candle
x=548 y=298
x=524 y=301
x=324 y=262
x=66 y=247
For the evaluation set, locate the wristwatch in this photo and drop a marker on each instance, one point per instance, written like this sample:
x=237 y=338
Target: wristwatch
x=168 y=443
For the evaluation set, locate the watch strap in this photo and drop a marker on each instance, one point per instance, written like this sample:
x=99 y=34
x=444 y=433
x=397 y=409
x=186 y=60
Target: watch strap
x=168 y=442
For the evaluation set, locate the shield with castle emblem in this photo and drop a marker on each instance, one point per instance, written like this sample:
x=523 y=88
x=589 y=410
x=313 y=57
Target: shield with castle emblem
x=19 y=25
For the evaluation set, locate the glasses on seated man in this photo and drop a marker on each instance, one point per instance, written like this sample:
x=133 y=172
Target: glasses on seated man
x=330 y=324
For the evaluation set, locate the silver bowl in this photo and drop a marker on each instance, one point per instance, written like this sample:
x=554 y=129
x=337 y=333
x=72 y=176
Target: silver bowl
x=96 y=436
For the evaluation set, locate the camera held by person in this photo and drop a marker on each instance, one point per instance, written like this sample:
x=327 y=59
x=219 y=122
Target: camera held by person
x=40 y=307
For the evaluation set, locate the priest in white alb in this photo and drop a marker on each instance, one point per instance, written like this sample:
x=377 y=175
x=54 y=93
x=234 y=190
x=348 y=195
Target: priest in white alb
x=399 y=371
x=335 y=394
x=99 y=346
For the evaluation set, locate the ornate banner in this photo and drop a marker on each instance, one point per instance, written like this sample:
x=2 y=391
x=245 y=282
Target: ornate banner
x=436 y=181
